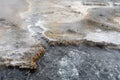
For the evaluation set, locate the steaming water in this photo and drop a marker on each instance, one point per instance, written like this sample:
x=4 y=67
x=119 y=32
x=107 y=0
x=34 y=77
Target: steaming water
x=11 y=10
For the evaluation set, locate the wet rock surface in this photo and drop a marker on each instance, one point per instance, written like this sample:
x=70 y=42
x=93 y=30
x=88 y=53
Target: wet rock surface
x=54 y=22
x=80 y=39
x=71 y=63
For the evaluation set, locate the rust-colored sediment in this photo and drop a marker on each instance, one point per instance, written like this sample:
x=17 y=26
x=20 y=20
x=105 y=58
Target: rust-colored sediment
x=36 y=57
x=65 y=43
x=84 y=41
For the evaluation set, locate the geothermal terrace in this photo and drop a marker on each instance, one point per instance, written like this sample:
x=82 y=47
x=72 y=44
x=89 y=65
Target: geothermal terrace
x=60 y=39
x=29 y=27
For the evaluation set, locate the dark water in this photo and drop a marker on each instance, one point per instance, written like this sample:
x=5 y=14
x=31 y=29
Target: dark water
x=71 y=63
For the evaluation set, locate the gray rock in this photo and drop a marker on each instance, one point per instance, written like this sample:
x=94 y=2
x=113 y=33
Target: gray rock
x=71 y=63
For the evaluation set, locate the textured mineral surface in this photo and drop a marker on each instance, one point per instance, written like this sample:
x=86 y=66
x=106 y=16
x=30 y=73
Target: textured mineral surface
x=80 y=39
x=17 y=45
x=74 y=22
x=27 y=27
